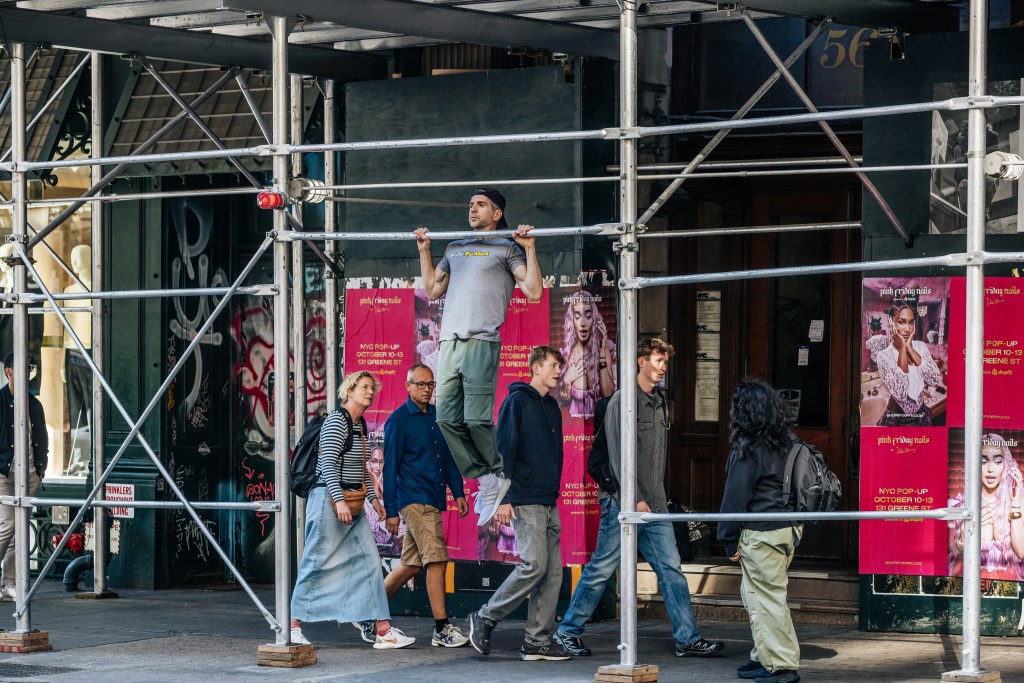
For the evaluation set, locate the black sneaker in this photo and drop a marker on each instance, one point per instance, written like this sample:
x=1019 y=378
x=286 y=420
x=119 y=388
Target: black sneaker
x=700 y=648
x=750 y=669
x=480 y=633
x=777 y=676
x=572 y=644
x=553 y=651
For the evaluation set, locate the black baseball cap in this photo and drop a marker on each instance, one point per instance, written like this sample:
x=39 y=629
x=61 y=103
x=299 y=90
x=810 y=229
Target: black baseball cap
x=499 y=199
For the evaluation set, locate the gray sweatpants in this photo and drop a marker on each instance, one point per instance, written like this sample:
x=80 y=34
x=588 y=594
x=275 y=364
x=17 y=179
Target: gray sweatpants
x=539 y=575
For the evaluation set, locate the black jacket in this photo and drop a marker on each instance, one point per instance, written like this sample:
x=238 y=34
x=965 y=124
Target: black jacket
x=753 y=484
x=530 y=443
x=40 y=439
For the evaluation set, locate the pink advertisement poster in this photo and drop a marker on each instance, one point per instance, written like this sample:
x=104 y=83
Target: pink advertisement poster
x=1004 y=353
x=392 y=327
x=908 y=471
x=1002 y=494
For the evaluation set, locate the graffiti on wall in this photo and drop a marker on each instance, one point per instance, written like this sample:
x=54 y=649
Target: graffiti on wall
x=193 y=223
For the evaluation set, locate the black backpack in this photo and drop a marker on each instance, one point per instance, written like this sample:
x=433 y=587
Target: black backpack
x=809 y=485
x=307 y=448
x=598 y=466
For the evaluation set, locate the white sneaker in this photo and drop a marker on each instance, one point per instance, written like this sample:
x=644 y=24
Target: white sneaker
x=297 y=638
x=394 y=639
x=7 y=592
x=493 y=500
x=485 y=487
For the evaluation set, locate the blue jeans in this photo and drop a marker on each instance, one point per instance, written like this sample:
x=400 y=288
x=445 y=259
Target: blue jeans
x=658 y=544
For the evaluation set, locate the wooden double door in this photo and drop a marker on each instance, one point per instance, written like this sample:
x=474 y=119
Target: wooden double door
x=798 y=333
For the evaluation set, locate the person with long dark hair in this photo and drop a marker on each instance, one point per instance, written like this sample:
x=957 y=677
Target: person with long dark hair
x=755 y=472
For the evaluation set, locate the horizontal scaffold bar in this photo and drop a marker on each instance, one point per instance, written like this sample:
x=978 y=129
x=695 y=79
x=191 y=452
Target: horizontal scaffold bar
x=946 y=261
x=45 y=311
x=946 y=514
x=254 y=290
x=751 y=230
x=258 y=506
x=612 y=134
x=605 y=229
x=799 y=171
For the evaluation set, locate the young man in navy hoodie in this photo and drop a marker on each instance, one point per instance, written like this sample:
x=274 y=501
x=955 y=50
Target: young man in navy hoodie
x=530 y=441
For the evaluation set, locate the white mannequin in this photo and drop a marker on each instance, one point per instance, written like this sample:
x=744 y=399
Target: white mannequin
x=81 y=263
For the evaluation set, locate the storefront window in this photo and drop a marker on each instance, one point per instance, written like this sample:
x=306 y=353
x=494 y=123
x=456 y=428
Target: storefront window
x=58 y=376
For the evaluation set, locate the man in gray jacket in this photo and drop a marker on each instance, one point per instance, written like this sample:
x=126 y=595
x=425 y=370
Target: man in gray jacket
x=656 y=540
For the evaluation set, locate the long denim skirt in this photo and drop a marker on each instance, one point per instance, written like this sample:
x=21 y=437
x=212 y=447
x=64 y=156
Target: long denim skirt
x=340 y=576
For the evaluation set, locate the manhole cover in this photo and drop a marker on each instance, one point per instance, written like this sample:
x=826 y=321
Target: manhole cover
x=16 y=670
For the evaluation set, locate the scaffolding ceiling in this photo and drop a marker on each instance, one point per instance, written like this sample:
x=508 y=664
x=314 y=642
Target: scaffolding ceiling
x=235 y=32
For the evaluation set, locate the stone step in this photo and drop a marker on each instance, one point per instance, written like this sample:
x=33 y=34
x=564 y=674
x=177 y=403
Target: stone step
x=818 y=594
x=724 y=608
x=714 y=579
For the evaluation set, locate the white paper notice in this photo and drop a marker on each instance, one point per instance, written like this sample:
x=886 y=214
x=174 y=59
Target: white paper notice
x=803 y=356
x=817 y=331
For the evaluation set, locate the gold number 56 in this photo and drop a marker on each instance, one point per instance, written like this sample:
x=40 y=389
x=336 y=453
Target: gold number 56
x=837 y=49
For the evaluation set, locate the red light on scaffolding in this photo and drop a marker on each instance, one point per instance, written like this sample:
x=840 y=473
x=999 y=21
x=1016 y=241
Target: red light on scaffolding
x=270 y=200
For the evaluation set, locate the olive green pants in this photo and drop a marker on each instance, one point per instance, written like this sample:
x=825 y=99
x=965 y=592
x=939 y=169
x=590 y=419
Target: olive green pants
x=467 y=377
x=765 y=557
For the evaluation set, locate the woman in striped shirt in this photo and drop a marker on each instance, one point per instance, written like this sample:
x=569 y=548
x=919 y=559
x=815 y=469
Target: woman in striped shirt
x=340 y=577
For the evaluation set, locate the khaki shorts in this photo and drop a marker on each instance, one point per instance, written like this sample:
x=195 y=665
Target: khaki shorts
x=424 y=536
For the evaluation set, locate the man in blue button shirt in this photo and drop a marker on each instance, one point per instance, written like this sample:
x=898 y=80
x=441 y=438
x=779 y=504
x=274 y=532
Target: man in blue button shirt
x=417 y=466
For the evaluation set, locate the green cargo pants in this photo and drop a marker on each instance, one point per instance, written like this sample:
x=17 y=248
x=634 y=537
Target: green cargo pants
x=765 y=557
x=467 y=377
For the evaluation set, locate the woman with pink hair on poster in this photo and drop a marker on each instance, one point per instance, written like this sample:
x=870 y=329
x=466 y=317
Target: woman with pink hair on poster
x=590 y=366
x=1002 y=524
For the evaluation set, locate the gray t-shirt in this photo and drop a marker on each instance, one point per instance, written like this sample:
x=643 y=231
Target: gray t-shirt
x=480 y=286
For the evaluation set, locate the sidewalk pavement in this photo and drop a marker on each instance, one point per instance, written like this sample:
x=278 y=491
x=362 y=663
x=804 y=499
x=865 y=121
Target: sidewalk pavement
x=212 y=636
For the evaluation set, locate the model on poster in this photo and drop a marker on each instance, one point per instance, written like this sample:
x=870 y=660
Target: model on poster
x=590 y=365
x=388 y=544
x=1002 y=500
x=902 y=384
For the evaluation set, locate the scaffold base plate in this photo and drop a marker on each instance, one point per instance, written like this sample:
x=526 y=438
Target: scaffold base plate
x=982 y=676
x=288 y=656
x=33 y=641
x=617 y=673
x=105 y=595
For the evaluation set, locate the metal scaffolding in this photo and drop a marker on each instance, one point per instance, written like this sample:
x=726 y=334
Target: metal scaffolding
x=286 y=240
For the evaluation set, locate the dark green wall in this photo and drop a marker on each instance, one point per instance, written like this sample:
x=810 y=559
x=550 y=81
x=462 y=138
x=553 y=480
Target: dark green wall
x=482 y=103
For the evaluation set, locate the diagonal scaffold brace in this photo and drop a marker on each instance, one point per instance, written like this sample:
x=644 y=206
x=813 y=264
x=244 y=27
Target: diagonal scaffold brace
x=136 y=426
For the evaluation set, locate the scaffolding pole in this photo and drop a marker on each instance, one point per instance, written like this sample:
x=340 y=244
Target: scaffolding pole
x=279 y=30
x=949 y=104
x=627 y=324
x=298 y=300
x=20 y=468
x=97 y=426
x=970 y=669
x=330 y=248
